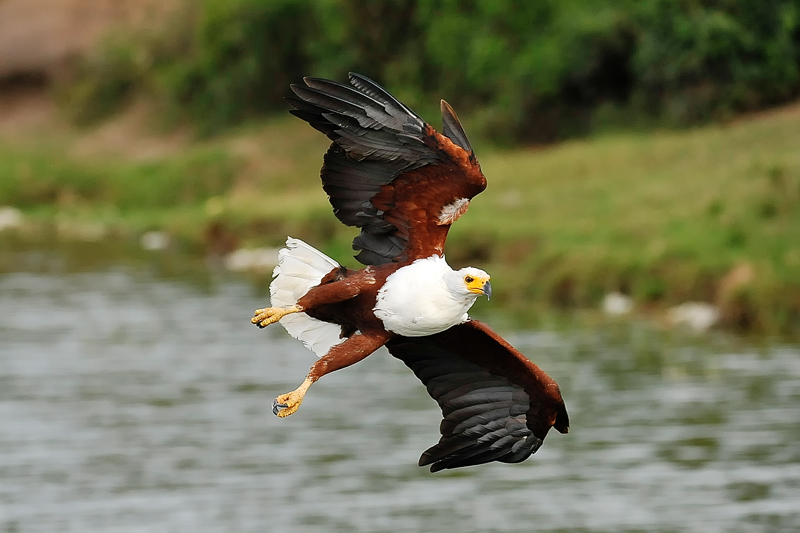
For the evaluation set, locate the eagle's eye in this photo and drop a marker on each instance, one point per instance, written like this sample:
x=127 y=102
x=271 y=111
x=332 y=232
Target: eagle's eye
x=469 y=279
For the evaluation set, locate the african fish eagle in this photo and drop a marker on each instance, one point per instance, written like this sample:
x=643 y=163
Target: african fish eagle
x=403 y=184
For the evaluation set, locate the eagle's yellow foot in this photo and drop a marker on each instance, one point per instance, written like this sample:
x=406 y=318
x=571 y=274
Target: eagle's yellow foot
x=269 y=315
x=287 y=404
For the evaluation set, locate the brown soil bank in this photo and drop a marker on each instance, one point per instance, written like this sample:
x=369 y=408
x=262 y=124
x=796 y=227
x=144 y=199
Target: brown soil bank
x=38 y=38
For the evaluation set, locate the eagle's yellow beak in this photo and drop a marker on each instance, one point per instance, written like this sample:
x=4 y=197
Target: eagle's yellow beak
x=479 y=285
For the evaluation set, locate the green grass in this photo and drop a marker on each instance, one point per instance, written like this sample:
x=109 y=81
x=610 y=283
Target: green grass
x=663 y=216
x=37 y=177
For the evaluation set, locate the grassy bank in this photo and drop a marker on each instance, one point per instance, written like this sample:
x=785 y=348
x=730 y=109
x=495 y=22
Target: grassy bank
x=711 y=214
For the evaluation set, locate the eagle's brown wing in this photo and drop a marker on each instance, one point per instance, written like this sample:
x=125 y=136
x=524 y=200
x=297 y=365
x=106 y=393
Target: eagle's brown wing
x=497 y=405
x=387 y=171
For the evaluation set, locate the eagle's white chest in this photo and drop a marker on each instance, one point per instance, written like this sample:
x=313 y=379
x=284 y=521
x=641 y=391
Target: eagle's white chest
x=416 y=300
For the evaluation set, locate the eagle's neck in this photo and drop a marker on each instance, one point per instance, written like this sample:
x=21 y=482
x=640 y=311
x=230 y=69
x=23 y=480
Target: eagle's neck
x=423 y=298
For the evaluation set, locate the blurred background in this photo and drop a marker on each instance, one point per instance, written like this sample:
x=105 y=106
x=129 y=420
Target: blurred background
x=641 y=224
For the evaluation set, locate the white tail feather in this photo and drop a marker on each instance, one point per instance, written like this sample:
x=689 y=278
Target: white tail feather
x=301 y=267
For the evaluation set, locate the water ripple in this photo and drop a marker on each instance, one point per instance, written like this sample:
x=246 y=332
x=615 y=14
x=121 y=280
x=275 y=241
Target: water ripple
x=133 y=404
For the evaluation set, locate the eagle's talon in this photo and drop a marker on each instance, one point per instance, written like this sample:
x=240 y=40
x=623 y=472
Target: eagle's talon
x=269 y=315
x=278 y=407
x=287 y=404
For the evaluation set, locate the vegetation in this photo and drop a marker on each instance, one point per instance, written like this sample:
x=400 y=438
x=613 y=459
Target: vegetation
x=710 y=212
x=42 y=178
x=666 y=217
x=525 y=70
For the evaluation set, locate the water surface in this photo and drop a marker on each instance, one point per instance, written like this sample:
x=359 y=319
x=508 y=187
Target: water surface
x=132 y=403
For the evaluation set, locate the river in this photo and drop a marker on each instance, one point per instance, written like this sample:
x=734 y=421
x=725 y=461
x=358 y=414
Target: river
x=135 y=402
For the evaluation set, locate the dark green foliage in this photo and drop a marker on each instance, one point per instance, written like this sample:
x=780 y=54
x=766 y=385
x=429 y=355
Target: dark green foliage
x=526 y=70
x=242 y=58
x=698 y=60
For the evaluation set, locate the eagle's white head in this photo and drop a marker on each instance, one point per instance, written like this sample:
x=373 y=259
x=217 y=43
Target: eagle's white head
x=469 y=282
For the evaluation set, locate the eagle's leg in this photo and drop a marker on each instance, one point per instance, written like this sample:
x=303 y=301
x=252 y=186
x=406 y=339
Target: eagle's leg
x=327 y=292
x=269 y=315
x=353 y=350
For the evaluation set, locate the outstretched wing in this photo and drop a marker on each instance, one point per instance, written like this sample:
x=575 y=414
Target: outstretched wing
x=497 y=405
x=387 y=171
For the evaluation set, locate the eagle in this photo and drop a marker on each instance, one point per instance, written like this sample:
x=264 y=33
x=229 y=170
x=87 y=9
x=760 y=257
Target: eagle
x=403 y=184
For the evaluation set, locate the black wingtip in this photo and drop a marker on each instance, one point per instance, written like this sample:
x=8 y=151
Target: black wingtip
x=562 y=421
x=451 y=127
x=375 y=90
x=363 y=82
x=356 y=76
x=429 y=460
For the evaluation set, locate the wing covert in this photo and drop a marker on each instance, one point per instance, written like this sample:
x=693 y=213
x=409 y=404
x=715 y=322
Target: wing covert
x=496 y=404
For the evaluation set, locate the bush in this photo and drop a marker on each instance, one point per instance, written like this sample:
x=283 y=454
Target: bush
x=526 y=70
x=702 y=60
x=105 y=82
x=242 y=58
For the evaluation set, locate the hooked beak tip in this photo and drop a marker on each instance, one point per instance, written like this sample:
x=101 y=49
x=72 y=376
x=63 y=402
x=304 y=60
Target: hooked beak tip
x=487 y=290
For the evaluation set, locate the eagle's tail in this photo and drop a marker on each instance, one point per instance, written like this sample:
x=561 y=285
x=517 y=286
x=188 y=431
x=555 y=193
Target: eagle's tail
x=301 y=267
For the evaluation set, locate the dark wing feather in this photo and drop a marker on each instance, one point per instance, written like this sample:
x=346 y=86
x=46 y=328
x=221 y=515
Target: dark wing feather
x=496 y=404
x=451 y=127
x=387 y=171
